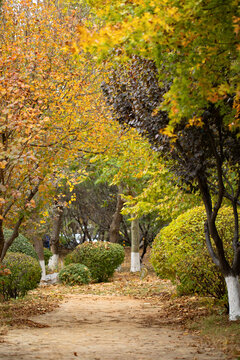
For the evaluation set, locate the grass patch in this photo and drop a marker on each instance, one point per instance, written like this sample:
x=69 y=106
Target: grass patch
x=217 y=329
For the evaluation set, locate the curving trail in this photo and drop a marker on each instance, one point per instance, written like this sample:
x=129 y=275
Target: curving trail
x=91 y=327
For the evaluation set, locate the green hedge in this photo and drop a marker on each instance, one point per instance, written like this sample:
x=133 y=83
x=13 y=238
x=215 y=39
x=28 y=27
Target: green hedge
x=20 y=244
x=75 y=274
x=180 y=254
x=102 y=258
x=25 y=275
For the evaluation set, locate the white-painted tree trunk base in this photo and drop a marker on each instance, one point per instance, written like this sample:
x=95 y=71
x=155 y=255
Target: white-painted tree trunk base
x=53 y=262
x=119 y=268
x=135 y=262
x=233 y=289
x=42 y=264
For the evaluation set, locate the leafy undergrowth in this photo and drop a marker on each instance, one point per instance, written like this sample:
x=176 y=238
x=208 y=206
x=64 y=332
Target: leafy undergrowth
x=192 y=313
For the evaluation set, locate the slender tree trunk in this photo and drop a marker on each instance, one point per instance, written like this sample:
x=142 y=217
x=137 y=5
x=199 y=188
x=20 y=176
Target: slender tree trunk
x=40 y=252
x=218 y=255
x=127 y=235
x=4 y=245
x=57 y=225
x=233 y=289
x=145 y=245
x=1 y=237
x=87 y=236
x=14 y=235
x=135 y=237
x=117 y=219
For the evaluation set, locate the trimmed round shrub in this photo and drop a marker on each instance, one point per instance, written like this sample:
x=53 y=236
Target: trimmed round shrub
x=102 y=258
x=47 y=255
x=25 y=275
x=180 y=253
x=21 y=245
x=75 y=274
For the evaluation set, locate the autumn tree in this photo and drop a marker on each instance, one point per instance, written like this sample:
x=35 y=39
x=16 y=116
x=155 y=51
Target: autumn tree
x=46 y=104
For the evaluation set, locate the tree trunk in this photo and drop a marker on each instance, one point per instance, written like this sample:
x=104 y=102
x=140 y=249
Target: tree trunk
x=135 y=237
x=8 y=243
x=116 y=220
x=145 y=245
x=1 y=237
x=233 y=289
x=57 y=224
x=14 y=235
x=40 y=252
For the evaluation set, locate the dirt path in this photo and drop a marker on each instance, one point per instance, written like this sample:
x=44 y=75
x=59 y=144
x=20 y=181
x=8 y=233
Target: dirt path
x=91 y=327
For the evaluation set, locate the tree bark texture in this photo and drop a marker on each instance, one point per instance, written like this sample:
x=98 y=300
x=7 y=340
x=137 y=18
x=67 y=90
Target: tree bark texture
x=116 y=220
x=38 y=244
x=1 y=237
x=57 y=225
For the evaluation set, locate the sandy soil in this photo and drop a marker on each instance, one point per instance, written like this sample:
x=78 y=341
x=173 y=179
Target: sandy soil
x=91 y=327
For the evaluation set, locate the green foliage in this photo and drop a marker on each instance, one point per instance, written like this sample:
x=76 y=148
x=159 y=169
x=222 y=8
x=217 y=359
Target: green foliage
x=161 y=195
x=21 y=245
x=75 y=274
x=25 y=275
x=180 y=254
x=184 y=39
x=47 y=255
x=102 y=258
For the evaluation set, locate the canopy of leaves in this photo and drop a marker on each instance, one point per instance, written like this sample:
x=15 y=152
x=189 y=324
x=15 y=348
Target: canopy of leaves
x=195 y=46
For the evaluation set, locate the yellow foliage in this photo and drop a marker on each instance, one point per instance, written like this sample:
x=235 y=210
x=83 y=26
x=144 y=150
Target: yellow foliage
x=48 y=99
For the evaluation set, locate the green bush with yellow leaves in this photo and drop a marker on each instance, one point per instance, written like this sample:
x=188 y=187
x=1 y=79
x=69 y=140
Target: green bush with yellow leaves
x=24 y=274
x=180 y=253
x=75 y=274
x=101 y=258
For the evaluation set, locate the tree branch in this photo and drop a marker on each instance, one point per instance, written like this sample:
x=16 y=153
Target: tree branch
x=15 y=233
x=209 y=245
